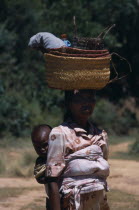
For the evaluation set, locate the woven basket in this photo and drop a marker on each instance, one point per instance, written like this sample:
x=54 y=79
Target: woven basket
x=71 y=50
x=80 y=55
x=69 y=73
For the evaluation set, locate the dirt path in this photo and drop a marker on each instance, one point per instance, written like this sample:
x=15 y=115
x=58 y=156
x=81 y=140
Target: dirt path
x=124 y=174
x=124 y=177
x=23 y=200
x=32 y=193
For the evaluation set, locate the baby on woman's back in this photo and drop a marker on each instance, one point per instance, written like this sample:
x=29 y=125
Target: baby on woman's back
x=87 y=161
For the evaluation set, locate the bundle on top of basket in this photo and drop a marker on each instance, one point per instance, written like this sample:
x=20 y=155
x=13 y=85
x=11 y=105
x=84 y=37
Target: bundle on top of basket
x=73 y=68
x=85 y=65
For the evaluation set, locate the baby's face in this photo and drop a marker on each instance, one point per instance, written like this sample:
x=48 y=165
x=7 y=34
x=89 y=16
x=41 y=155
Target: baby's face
x=41 y=146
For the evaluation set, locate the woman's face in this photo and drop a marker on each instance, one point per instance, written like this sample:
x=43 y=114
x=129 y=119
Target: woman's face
x=82 y=104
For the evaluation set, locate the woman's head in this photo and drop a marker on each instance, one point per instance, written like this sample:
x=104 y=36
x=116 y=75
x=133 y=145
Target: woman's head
x=80 y=103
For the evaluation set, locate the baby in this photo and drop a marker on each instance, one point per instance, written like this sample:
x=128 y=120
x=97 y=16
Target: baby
x=40 y=136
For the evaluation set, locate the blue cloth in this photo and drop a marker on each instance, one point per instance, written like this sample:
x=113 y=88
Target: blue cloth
x=67 y=43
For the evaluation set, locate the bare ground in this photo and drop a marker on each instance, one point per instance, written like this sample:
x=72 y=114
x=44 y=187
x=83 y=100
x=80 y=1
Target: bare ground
x=124 y=174
x=124 y=177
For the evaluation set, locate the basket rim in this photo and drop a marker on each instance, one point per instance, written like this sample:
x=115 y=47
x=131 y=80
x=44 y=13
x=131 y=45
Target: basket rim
x=76 y=49
x=77 y=58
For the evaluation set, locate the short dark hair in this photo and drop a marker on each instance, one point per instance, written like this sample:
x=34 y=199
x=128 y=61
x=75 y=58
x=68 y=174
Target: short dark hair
x=37 y=130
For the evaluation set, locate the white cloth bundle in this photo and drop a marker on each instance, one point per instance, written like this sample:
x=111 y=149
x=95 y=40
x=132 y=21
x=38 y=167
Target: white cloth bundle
x=86 y=172
x=45 y=40
x=88 y=161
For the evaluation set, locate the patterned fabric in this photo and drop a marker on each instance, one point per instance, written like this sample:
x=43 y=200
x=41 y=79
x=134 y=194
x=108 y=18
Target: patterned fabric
x=39 y=170
x=89 y=201
x=67 y=142
x=87 y=161
x=69 y=138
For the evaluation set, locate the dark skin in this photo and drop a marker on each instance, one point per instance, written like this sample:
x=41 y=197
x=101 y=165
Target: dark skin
x=81 y=107
x=40 y=141
x=54 y=197
x=40 y=138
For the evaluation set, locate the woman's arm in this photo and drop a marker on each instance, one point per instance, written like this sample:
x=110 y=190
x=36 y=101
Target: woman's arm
x=53 y=203
x=54 y=166
x=54 y=198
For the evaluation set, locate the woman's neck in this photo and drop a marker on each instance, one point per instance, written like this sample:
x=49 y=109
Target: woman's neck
x=82 y=122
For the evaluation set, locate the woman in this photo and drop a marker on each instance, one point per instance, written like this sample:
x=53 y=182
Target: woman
x=76 y=133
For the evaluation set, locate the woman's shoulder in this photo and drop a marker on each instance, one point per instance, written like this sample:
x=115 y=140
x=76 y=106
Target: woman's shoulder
x=96 y=130
x=101 y=132
x=56 y=129
x=56 y=134
x=61 y=129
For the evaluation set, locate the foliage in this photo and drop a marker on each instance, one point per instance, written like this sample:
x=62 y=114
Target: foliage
x=25 y=98
x=135 y=147
x=108 y=116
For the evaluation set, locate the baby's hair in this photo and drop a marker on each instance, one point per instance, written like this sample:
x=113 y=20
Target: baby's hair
x=37 y=129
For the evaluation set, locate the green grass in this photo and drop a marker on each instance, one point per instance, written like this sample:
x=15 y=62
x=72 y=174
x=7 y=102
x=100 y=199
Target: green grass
x=8 y=192
x=129 y=155
x=113 y=140
x=14 y=192
x=20 y=155
x=122 y=201
x=12 y=143
x=117 y=200
x=24 y=166
x=125 y=156
x=17 y=161
x=33 y=207
x=38 y=204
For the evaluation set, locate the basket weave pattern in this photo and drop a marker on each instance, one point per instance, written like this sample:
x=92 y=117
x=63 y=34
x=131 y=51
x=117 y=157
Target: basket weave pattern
x=80 y=55
x=71 y=50
x=70 y=73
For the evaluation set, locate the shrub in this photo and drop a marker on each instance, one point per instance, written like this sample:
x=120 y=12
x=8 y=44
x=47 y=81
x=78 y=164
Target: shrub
x=108 y=116
x=2 y=166
x=104 y=115
x=14 y=117
x=135 y=147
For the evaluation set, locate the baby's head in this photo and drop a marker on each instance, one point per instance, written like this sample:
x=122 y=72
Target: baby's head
x=40 y=136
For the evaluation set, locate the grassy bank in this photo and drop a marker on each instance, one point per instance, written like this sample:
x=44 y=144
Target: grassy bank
x=17 y=157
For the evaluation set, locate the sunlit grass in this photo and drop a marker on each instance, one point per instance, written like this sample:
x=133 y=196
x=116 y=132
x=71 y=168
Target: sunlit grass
x=122 y=201
x=18 y=159
x=125 y=156
x=17 y=156
x=113 y=140
x=8 y=192
x=35 y=206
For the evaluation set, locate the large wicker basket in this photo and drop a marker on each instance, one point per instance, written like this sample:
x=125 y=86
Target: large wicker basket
x=68 y=73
